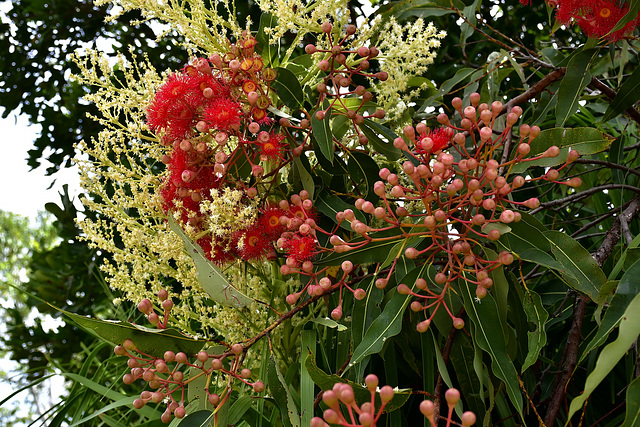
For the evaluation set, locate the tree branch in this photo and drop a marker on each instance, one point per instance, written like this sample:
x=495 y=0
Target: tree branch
x=570 y=356
x=611 y=94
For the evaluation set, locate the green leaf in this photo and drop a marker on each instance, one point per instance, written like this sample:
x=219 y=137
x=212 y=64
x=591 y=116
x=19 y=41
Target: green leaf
x=580 y=270
x=445 y=88
x=322 y=132
x=490 y=338
x=632 y=13
x=628 y=95
x=375 y=132
x=576 y=78
x=610 y=356
x=288 y=88
x=371 y=252
x=628 y=288
x=147 y=411
x=238 y=409
x=281 y=394
x=197 y=419
x=387 y=324
x=364 y=171
x=537 y=315
x=329 y=323
x=585 y=140
x=632 y=417
x=307 y=387
x=330 y=205
x=209 y=276
x=362 y=394
x=126 y=401
x=269 y=50
x=305 y=177
x=150 y=341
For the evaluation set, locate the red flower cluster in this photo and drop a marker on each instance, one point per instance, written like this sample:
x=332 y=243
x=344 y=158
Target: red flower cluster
x=180 y=101
x=596 y=18
x=431 y=141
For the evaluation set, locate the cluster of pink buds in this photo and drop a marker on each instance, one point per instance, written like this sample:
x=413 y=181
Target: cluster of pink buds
x=456 y=205
x=341 y=65
x=343 y=410
x=146 y=307
x=166 y=375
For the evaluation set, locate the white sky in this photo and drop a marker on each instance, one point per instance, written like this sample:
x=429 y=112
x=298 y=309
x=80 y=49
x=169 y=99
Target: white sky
x=23 y=191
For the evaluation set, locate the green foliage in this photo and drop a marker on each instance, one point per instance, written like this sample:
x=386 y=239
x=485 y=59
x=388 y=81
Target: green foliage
x=574 y=275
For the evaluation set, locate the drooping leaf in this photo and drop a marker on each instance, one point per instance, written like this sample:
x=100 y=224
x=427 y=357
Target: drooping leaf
x=585 y=140
x=632 y=416
x=611 y=354
x=387 y=324
x=269 y=50
x=288 y=88
x=304 y=176
x=628 y=288
x=330 y=205
x=370 y=252
x=364 y=171
x=490 y=338
x=150 y=341
x=628 y=94
x=322 y=132
x=580 y=270
x=307 y=387
x=280 y=391
x=537 y=315
x=326 y=381
x=576 y=78
x=197 y=419
x=374 y=132
x=209 y=276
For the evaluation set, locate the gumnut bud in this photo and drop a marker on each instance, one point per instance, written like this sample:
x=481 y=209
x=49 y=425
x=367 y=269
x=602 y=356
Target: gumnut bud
x=336 y=313
x=458 y=323
x=258 y=387
x=468 y=419
x=423 y=326
x=386 y=394
x=574 y=182
x=360 y=294
x=552 y=151
x=452 y=396
x=237 y=349
x=403 y=289
x=428 y=409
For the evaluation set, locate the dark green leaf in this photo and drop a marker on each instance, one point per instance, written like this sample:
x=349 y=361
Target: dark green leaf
x=330 y=205
x=537 y=315
x=628 y=288
x=580 y=270
x=364 y=171
x=197 y=419
x=269 y=50
x=387 y=324
x=326 y=382
x=490 y=338
x=632 y=417
x=281 y=394
x=628 y=95
x=576 y=78
x=322 y=132
x=288 y=88
x=374 y=132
